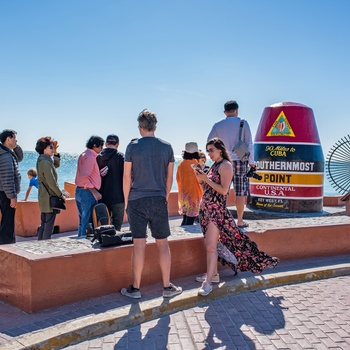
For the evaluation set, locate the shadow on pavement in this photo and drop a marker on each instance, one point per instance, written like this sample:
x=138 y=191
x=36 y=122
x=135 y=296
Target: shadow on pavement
x=156 y=337
x=260 y=313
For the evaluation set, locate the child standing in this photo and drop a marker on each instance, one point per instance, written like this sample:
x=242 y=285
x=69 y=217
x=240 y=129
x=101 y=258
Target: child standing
x=33 y=181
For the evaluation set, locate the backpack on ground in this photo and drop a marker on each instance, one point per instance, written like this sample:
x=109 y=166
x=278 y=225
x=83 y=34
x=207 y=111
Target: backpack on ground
x=104 y=232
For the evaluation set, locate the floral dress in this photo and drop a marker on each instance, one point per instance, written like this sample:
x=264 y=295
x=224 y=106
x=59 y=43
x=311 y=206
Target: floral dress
x=213 y=209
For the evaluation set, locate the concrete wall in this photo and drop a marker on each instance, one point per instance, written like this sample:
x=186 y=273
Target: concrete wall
x=28 y=214
x=27 y=217
x=35 y=282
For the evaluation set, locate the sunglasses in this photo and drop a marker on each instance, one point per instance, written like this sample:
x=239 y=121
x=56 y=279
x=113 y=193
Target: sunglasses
x=51 y=147
x=211 y=150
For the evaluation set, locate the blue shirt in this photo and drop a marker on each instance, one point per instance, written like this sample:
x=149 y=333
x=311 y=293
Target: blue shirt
x=34 y=182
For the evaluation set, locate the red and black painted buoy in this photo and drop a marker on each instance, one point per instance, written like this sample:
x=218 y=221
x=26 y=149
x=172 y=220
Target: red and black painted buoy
x=289 y=157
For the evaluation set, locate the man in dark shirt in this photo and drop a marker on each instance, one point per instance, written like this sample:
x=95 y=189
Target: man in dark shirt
x=111 y=165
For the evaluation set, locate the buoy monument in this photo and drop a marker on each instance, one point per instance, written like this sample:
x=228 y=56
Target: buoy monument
x=289 y=157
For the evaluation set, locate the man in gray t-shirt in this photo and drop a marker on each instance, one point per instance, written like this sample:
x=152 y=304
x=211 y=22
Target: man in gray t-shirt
x=147 y=181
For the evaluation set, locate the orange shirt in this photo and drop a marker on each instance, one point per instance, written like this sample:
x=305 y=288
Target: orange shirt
x=189 y=190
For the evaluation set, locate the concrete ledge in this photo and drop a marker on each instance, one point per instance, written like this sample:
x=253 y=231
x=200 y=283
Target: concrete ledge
x=289 y=243
x=136 y=313
x=332 y=201
x=72 y=270
x=40 y=275
x=28 y=214
x=27 y=217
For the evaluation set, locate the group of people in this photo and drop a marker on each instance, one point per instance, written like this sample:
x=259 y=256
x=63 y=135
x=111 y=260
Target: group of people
x=145 y=174
x=203 y=192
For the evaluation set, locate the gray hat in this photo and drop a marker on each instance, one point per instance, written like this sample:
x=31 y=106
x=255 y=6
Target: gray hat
x=191 y=147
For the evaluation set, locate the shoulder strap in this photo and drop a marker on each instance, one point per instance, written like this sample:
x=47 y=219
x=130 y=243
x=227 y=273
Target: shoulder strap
x=46 y=188
x=240 y=129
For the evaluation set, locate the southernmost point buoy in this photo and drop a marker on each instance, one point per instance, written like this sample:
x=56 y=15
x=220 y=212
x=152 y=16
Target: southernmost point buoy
x=289 y=157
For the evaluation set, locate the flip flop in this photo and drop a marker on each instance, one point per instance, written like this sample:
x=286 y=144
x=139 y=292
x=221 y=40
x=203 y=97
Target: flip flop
x=245 y=224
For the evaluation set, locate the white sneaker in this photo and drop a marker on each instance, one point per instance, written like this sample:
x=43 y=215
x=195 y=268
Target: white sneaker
x=171 y=291
x=205 y=289
x=214 y=279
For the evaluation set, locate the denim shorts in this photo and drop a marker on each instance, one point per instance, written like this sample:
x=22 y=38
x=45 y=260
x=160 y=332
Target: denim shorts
x=240 y=180
x=152 y=211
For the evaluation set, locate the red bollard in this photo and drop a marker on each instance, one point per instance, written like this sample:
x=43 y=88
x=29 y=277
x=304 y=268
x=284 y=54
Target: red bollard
x=289 y=157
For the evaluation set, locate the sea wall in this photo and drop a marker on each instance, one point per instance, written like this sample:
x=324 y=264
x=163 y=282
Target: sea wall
x=27 y=217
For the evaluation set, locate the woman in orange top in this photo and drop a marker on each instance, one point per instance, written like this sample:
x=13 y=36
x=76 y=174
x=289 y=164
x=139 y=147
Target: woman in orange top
x=189 y=190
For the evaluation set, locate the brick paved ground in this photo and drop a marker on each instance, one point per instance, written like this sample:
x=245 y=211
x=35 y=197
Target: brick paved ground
x=310 y=315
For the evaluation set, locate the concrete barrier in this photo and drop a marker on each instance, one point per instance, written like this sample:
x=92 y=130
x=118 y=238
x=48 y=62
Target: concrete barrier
x=27 y=217
x=37 y=275
x=34 y=282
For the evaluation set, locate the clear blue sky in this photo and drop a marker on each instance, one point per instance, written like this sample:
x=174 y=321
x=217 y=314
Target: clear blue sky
x=73 y=68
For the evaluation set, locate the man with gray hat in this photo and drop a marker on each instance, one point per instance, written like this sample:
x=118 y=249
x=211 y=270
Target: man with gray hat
x=10 y=179
x=111 y=165
x=228 y=130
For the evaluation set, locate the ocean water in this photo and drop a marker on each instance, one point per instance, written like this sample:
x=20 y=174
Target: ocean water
x=68 y=167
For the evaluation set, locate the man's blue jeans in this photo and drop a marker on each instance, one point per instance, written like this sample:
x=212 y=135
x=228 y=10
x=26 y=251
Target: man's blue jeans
x=85 y=202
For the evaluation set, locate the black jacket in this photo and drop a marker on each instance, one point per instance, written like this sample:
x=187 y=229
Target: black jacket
x=10 y=177
x=112 y=183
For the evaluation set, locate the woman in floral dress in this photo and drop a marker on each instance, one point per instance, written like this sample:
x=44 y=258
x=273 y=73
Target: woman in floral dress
x=218 y=224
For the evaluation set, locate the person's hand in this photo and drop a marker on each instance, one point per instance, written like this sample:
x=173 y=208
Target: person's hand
x=55 y=146
x=65 y=193
x=13 y=202
x=95 y=193
x=104 y=171
x=201 y=175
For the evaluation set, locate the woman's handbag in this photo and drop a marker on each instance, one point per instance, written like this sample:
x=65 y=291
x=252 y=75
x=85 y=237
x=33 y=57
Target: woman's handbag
x=55 y=201
x=240 y=148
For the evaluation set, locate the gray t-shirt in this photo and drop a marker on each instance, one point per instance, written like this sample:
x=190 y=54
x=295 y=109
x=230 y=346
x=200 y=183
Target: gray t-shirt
x=228 y=131
x=150 y=157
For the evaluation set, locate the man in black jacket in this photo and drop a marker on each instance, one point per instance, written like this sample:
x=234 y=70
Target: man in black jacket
x=10 y=180
x=111 y=164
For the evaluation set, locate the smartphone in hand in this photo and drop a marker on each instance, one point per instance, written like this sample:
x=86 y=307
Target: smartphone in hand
x=197 y=168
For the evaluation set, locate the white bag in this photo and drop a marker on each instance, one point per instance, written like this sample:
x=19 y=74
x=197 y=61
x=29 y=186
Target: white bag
x=240 y=148
x=225 y=254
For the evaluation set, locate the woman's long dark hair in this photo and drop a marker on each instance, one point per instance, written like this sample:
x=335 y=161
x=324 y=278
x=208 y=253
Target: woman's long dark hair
x=217 y=143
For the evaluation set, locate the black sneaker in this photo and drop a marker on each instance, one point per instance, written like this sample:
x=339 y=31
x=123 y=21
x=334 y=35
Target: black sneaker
x=131 y=292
